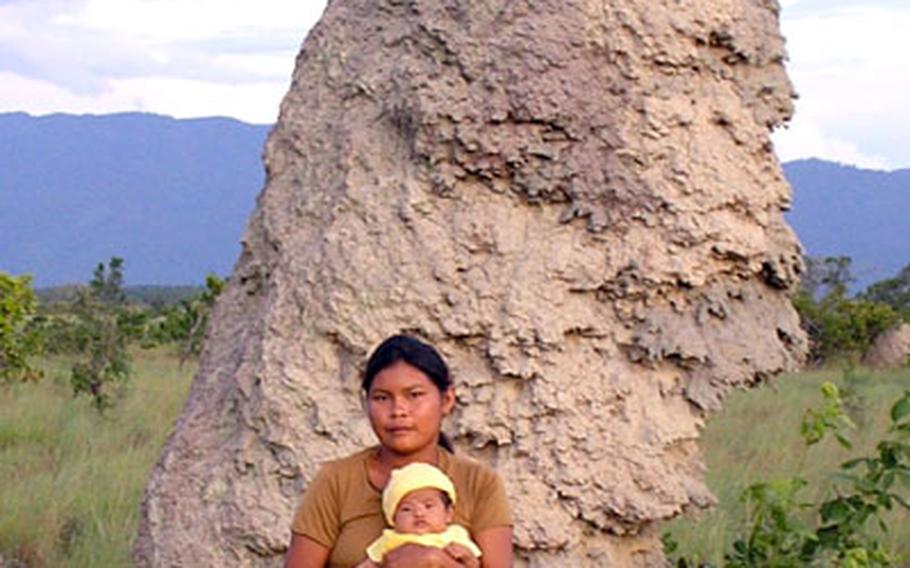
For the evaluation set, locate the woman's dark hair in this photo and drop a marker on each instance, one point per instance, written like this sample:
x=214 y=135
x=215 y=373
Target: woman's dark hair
x=417 y=354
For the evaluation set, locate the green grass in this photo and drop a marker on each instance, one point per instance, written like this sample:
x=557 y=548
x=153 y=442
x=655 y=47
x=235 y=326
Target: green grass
x=756 y=438
x=73 y=479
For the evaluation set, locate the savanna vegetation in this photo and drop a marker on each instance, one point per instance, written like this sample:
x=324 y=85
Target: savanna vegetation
x=91 y=379
x=785 y=502
x=73 y=476
x=93 y=376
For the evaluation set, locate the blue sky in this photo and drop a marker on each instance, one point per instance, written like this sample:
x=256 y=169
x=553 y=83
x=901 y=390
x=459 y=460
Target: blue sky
x=184 y=58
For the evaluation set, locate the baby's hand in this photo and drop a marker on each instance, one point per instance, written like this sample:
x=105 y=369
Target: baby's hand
x=462 y=555
x=367 y=564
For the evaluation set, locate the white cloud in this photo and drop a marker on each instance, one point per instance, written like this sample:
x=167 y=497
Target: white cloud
x=848 y=64
x=181 y=98
x=184 y=98
x=169 y=20
x=43 y=97
x=177 y=57
x=805 y=138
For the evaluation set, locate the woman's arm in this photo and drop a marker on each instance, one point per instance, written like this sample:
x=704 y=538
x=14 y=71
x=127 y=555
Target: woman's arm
x=417 y=556
x=496 y=545
x=305 y=553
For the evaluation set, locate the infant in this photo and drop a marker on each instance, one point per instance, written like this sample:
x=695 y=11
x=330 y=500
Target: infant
x=419 y=502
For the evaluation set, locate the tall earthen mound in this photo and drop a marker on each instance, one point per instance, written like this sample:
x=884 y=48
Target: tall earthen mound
x=576 y=202
x=891 y=349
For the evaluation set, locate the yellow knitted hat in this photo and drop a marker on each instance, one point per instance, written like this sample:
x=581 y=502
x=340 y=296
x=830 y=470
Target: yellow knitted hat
x=411 y=478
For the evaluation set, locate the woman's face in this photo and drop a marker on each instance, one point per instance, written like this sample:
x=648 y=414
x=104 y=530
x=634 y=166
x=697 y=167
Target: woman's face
x=406 y=408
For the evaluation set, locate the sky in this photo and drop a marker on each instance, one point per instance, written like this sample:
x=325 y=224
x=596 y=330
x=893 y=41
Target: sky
x=189 y=58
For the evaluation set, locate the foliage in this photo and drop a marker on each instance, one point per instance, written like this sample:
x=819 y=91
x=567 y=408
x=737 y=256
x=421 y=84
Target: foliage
x=838 y=326
x=149 y=315
x=102 y=330
x=72 y=479
x=18 y=339
x=778 y=534
x=829 y=418
x=186 y=323
x=893 y=291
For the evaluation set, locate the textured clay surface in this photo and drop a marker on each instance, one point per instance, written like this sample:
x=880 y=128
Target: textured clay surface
x=577 y=202
x=891 y=350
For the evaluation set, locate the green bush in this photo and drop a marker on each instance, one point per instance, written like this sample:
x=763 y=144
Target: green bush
x=839 y=326
x=19 y=341
x=893 y=291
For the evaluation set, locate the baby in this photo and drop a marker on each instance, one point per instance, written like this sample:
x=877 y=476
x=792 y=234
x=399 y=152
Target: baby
x=418 y=502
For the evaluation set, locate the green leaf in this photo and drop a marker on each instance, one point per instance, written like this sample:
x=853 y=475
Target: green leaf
x=834 y=512
x=739 y=546
x=830 y=390
x=904 y=478
x=853 y=463
x=888 y=479
x=842 y=440
x=901 y=408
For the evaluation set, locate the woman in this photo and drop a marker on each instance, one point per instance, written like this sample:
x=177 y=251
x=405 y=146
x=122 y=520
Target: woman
x=408 y=392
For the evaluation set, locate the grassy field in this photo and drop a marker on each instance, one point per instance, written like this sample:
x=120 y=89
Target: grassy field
x=756 y=438
x=72 y=479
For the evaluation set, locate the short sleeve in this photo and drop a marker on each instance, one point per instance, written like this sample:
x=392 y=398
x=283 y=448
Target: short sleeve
x=318 y=515
x=492 y=505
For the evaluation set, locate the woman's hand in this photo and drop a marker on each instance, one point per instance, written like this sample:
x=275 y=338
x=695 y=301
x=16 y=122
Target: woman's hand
x=462 y=555
x=416 y=556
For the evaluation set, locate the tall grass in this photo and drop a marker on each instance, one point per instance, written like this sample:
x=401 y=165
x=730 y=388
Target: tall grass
x=72 y=479
x=756 y=437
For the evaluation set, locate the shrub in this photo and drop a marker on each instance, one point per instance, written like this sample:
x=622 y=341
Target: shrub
x=838 y=326
x=19 y=341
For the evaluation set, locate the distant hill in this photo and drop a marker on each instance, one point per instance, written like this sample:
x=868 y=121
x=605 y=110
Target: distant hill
x=169 y=196
x=843 y=210
x=150 y=295
x=172 y=197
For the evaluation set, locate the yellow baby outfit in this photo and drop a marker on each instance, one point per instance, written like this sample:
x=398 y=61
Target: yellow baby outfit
x=401 y=482
x=390 y=540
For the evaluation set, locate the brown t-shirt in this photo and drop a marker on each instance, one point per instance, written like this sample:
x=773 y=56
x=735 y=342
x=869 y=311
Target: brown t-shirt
x=342 y=511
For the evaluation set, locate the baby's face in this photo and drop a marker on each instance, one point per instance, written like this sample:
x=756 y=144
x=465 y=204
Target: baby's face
x=422 y=511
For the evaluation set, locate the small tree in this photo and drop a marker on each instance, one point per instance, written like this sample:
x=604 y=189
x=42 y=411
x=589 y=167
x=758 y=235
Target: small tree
x=826 y=275
x=102 y=334
x=186 y=323
x=18 y=339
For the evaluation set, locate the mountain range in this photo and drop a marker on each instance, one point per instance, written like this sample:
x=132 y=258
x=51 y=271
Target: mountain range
x=841 y=210
x=169 y=196
x=172 y=197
